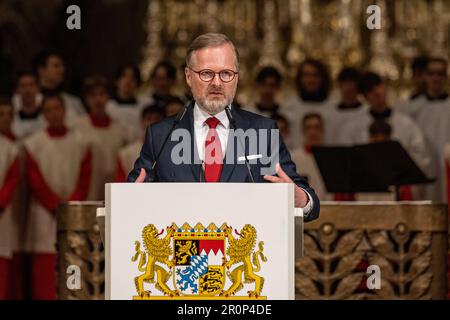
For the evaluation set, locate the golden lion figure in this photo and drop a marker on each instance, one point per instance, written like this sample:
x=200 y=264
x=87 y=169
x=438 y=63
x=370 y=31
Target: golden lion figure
x=241 y=250
x=157 y=250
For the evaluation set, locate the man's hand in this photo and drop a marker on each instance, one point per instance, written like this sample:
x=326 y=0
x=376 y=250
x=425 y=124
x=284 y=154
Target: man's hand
x=301 y=198
x=141 y=177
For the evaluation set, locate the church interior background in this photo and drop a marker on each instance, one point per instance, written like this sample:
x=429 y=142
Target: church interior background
x=267 y=32
x=412 y=252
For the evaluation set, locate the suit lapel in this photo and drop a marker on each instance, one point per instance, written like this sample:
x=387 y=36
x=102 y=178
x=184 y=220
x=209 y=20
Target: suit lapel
x=188 y=124
x=233 y=168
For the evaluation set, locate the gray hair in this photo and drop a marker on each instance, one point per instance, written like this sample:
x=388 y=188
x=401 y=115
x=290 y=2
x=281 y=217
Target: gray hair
x=210 y=40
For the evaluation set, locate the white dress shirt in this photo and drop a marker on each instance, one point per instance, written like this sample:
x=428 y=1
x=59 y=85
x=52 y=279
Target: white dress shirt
x=201 y=131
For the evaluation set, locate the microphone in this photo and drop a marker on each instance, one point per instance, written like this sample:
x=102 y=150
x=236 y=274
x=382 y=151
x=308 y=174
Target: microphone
x=177 y=120
x=202 y=171
x=233 y=126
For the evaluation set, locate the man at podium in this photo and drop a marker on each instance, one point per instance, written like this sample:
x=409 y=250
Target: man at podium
x=225 y=143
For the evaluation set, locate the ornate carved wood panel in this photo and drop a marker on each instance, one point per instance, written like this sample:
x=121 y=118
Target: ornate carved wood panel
x=408 y=242
x=79 y=244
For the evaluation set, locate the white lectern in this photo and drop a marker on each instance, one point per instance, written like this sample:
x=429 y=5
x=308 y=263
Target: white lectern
x=199 y=241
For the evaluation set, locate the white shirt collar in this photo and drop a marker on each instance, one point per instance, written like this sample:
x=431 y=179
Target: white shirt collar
x=200 y=117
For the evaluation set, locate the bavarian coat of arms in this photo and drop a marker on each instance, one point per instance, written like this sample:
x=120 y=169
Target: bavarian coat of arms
x=194 y=262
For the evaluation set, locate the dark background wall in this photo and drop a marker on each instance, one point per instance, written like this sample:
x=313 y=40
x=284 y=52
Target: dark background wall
x=112 y=33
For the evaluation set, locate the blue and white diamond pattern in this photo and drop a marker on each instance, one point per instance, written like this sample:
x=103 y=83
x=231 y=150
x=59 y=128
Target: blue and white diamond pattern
x=187 y=277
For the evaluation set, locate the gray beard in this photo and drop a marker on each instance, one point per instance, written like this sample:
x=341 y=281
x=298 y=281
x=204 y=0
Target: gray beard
x=213 y=107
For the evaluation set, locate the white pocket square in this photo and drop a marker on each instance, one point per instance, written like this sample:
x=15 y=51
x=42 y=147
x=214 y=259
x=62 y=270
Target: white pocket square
x=250 y=157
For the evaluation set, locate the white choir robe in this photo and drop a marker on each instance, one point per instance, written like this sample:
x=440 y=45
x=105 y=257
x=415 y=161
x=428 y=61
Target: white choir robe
x=336 y=120
x=16 y=101
x=23 y=128
x=129 y=116
x=73 y=106
x=59 y=169
x=434 y=120
x=307 y=166
x=74 y=109
x=126 y=159
x=9 y=178
x=268 y=114
x=295 y=109
x=412 y=107
x=106 y=140
x=20 y=205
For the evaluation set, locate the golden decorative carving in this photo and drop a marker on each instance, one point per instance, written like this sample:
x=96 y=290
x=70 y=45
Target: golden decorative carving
x=79 y=244
x=409 y=248
x=327 y=269
x=405 y=263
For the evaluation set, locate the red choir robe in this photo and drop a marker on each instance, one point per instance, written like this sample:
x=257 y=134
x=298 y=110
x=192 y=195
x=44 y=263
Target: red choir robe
x=128 y=115
x=125 y=160
x=9 y=178
x=58 y=165
x=59 y=168
x=17 y=285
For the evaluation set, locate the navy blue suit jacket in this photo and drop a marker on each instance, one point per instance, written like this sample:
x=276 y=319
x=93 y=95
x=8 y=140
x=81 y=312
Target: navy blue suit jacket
x=167 y=171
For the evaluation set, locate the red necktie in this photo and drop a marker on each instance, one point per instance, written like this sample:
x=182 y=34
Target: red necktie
x=213 y=152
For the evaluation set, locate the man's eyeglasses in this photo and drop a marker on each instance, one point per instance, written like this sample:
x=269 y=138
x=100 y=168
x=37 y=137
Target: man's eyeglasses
x=208 y=75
